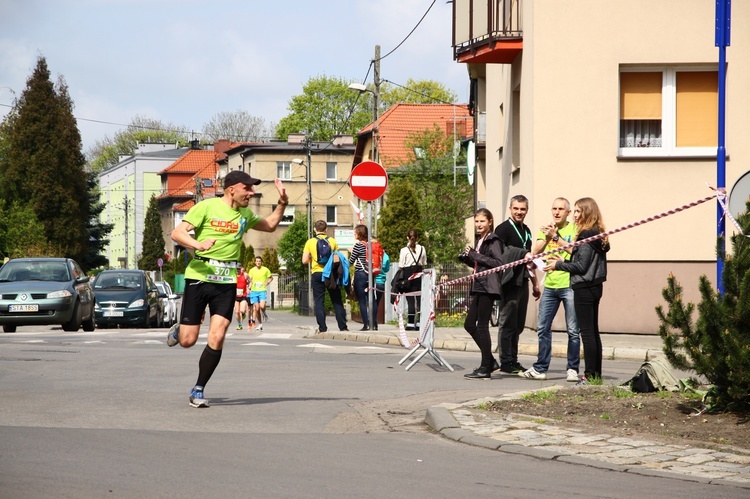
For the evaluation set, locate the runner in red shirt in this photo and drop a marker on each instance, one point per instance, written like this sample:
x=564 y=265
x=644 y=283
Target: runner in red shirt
x=240 y=297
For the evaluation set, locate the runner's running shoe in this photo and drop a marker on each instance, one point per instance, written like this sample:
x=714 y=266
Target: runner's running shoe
x=196 y=398
x=172 y=338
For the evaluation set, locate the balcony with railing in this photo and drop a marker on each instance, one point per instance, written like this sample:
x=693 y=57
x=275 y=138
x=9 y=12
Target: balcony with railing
x=487 y=31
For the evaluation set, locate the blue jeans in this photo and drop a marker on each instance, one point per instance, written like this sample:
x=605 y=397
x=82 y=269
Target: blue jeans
x=360 y=290
x=548 y=306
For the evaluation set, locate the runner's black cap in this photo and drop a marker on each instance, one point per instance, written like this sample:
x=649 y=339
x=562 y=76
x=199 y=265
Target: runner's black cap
x=238 y=177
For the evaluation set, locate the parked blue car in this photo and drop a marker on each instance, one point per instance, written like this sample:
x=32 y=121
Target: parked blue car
x=127 y=297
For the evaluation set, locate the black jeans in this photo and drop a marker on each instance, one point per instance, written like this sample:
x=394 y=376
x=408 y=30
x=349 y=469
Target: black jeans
x=477 y=324
x=319 y=290
x=412 y=320
x=586 y=301
x=379 y=294
x=512 y=321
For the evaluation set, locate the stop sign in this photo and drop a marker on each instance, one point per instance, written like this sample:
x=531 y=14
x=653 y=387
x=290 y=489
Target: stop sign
x=368 y=181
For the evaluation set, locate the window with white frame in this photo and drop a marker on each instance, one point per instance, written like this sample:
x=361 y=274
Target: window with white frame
x=668 y=111
x=331 y=173
x=284 y=170
x=288 y=216
x=331 y=215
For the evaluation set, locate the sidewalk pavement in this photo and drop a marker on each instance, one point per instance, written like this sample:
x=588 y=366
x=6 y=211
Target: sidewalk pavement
x=615 y=346
x=546 y=439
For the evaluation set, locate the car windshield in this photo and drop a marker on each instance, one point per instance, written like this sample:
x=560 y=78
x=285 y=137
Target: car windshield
x=118 y=281
x=15 y=271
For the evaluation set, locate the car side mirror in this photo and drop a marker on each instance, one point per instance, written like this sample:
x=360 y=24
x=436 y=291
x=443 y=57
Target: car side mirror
x=83 y=279
x=163 y=295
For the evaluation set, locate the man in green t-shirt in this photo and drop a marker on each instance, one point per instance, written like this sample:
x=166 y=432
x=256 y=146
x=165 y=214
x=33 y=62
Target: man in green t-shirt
x=210 y=279
x=556 y=290
x=260 y=277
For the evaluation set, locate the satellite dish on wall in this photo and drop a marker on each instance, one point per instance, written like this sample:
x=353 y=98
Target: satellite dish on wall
x=739 y=194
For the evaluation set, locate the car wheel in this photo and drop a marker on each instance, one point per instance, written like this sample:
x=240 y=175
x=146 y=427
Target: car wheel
x=90 y=324
x=75 y=321
x=9 y=329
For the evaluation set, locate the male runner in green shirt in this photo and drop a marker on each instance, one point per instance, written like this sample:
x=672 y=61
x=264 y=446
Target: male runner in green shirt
x=210 y=278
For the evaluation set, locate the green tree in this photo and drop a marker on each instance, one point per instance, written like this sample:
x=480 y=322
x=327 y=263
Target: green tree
x=444 y=205
x=153 y=237
x=717 y=346
x=292 y=243
x=106 y=152
x=16 y=240
x=247 y=256
x=43 y=166
x=236 y=126
x=400 y=213
x=326 y=107
x=271 y=260
x=98 y=231
x=415 y=92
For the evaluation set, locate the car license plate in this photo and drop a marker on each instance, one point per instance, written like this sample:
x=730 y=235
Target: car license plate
x=27 y=307
x=112 y=313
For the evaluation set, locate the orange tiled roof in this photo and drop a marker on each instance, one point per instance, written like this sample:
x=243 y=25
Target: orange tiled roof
x=191 y=162
x=402 y=120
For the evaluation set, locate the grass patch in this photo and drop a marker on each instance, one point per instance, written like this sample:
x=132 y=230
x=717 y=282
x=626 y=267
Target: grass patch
x=483 y=406
x=539 y=396
x=604 y=416
x=622 y=393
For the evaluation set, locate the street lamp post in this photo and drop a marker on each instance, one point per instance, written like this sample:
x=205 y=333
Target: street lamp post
x=308 y=174
x=376 y=102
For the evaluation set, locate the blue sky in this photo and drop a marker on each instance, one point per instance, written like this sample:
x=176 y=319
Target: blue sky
x=184 y=61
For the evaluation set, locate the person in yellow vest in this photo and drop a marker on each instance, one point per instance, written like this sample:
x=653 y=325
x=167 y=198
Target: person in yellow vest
x=260 y=278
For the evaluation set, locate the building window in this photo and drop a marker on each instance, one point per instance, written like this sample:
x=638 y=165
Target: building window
x=331 y=215
x=284 y=170
x=669 y=111
x=331 y=170
x=288 y=216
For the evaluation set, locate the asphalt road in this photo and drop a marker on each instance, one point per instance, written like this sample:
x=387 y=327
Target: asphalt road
x=105 y=414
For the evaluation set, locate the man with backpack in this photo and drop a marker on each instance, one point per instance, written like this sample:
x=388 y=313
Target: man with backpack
x=317 y=252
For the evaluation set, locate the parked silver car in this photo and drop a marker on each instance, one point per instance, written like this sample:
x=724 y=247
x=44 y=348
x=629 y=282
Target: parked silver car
x=43 y=291
x=169 y=304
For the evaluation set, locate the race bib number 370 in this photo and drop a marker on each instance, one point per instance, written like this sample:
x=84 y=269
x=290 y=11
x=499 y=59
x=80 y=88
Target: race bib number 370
x=221 y=272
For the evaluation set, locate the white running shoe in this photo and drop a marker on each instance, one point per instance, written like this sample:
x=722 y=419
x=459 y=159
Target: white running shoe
x=172 y=335
x=572 y=376
x=260 y=327
x=532 y=373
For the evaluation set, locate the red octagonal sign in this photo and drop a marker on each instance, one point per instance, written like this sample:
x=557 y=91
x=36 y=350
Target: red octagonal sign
x=368 y=181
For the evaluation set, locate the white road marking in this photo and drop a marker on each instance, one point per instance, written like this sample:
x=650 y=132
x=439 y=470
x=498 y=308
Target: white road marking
x=260 y=344
x=314 y=345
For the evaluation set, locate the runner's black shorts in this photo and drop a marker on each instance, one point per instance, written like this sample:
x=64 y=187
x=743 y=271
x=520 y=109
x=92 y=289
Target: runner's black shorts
x=198 y=294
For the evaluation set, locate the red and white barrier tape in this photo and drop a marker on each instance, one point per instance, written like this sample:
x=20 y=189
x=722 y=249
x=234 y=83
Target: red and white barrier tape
x=720 y=195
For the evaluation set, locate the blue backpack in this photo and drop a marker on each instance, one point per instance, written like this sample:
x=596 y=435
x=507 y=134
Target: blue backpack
x=324 y=250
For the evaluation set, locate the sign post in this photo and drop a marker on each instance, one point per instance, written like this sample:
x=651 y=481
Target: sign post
x=369 y=181
x=160 y=262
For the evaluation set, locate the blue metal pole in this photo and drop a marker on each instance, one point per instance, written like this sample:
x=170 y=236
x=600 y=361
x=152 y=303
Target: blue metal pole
x=723 y=22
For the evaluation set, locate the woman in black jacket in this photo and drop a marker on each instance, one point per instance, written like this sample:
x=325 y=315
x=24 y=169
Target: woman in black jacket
x=488 y=253
x=588 y=271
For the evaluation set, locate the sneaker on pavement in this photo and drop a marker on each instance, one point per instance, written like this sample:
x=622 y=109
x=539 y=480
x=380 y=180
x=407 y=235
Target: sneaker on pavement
x=260 y=327
x=572 y=376
x=239 y=327
x=172 y=338
x=508 y=369
x=583 y=381
x=196 y=398
x=532 y=373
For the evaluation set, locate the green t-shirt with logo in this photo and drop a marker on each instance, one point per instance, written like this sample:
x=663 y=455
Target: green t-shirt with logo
x=213 y=219
x=259 y=277
x=558 y=279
